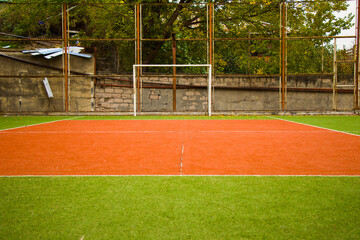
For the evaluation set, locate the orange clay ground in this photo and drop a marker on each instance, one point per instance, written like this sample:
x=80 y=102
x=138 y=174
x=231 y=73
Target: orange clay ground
x=177 y=147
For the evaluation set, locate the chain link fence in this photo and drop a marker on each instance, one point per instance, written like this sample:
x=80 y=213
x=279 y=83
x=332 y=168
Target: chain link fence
x=266 y=56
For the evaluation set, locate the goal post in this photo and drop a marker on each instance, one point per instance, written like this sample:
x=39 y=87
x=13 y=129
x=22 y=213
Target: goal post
x=209 y=73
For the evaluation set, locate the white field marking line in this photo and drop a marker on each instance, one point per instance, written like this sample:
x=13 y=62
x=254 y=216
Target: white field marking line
x=113 y=132
x=328 y=129
x=261 y=131
x=82 y=238
x=181 y=159
x=57 y=132
x=169 y=175
x=3 y=130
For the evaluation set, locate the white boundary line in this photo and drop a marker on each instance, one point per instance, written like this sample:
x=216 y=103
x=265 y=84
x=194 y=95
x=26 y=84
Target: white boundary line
x=328 y=129
x=181 y=159
x=178 y=175
x=116 y=132
x=87 y=132
x=2 y=130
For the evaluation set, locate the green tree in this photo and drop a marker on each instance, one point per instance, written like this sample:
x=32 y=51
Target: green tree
x=39 y=19
x=259 y=19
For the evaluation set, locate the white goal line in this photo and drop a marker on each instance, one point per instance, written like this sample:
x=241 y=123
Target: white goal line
x=173 y=65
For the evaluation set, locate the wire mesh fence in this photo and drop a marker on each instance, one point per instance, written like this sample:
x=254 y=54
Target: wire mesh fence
x=265 y=56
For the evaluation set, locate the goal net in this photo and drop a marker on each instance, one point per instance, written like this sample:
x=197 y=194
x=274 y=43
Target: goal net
x=186 y=86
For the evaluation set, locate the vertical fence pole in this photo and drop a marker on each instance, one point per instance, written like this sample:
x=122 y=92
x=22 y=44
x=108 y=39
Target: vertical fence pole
x=211 y=33
x=210 y=54
x=357 y=61
x=174 y=71
x=335 y=76
x=209 y=90
x=66 y=73
x=322 y=56
x=138 y=19
x=283 y=54
x=207 y=34
x=134 y=88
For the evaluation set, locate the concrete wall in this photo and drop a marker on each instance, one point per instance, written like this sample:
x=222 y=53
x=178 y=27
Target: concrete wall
x=111 y=99
x=230 y=94
x=28 y=94
x=308 y=99
x=244 y=100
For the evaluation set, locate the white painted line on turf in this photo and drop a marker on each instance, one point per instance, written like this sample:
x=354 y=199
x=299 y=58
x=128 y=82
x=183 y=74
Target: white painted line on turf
x=173 y=175
x=305 y=124
x=82 y=238
x=181 y=159
x=112 y=132
x=35 y=124
x=260 y=131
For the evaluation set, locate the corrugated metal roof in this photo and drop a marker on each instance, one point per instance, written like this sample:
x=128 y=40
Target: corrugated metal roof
x=49 y=53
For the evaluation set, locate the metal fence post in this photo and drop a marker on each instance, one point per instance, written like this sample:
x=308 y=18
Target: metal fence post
x=357 y=61
x=65 y=55
x=283 y=55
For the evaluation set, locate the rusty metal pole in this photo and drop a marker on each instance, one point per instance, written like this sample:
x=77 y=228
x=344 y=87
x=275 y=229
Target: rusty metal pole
x=95 y=59
x=138 y=53
x=335 y=76
x=210 y=34
x=283 y=54
x=66 y=72
x=210 y=51
x=357 y=61
x=93 y=83
x=174 y=70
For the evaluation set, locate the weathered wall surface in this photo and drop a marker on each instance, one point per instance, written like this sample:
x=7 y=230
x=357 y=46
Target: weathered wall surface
x=230 y=94
x=118 y=99
x=28 y=94
x=240 y=100
x=310 y=99
x=154 y=99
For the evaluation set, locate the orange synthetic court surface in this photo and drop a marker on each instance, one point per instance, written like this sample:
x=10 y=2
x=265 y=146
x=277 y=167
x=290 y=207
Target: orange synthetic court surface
x=177 y=147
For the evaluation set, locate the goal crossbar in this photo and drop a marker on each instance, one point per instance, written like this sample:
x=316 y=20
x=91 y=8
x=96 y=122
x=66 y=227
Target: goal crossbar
x=172 y=65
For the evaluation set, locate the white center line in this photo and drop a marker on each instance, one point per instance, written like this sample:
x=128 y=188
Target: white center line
x=181 y=159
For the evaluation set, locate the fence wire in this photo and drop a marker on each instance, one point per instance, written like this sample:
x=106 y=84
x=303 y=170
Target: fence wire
x=265 y=55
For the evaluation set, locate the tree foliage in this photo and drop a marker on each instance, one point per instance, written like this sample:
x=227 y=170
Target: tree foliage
x=241 y=20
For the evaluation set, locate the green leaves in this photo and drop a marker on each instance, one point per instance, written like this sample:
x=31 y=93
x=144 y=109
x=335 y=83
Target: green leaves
x=255 y=19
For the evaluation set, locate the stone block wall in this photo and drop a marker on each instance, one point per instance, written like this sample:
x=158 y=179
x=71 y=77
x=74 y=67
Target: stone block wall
x=24 y=93
x=109 y=97
x=229 y=94
x=120 y=98
x=114 y=99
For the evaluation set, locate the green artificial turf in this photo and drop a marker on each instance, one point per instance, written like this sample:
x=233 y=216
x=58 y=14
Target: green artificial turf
x=349 y=124
x=180 y=208
x=12 y=122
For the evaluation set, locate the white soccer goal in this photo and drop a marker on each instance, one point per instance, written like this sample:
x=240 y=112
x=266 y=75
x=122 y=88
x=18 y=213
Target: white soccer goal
x=209 y=71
